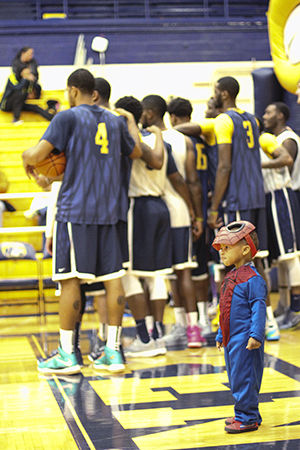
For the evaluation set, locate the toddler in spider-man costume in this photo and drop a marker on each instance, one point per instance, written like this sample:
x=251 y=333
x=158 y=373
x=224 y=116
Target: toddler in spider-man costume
x=242 y=322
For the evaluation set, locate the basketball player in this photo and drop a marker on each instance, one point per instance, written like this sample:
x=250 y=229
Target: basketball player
x=239 y=184
x=180 y=111
x=154 y=109
x=275 y=120
x=283 y=215
x=149 y=241
x=86 y=243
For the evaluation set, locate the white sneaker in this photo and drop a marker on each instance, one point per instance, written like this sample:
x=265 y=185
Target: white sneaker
x=18 y=122
x=290 y=320
x=205 y=328
x=176 y=337
x=139 y=348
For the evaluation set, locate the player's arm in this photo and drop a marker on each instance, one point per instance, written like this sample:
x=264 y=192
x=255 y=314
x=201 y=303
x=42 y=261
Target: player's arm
x=134 y=132
x=189 y=128
x=194 y=186
x=56 y=136
x=223 y=131
x=154 y=158
x=278 y=155
x=36 y=154
x=291 y=147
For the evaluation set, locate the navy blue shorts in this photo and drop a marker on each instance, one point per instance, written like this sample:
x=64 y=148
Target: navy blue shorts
x=87 y=252
x=255 y=216
x=200 y=255
x=149 y=236
x=182 y=245
x=283 y=221
x=123 y=238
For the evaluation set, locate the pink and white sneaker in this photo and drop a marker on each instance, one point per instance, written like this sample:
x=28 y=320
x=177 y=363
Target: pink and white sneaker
x=195 y=339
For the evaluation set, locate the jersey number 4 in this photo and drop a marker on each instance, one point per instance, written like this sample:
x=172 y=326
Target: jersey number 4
x=248 y=127
x=101 y=138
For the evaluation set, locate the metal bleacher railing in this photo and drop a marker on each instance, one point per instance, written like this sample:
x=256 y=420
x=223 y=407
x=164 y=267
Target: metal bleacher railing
x=122 y=9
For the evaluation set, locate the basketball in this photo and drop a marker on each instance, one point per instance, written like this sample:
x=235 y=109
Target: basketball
x=53 y=166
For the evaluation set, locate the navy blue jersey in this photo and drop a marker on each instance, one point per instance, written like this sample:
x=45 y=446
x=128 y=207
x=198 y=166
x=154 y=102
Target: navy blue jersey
x=245 y=189
x=171 y=164
x=201 y=157
x=93 y=140
x=212 y=157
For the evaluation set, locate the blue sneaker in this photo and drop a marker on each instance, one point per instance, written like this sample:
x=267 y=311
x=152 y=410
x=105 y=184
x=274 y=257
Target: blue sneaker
x=110 y=360
x=60 y=362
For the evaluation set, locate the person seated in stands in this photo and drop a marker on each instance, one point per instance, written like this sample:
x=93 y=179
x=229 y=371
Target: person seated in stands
x=4 y=206
x=25 y=59
x=15 y=96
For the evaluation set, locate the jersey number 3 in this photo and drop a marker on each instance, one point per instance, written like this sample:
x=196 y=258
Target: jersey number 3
x=101 y=138
x=248 y=127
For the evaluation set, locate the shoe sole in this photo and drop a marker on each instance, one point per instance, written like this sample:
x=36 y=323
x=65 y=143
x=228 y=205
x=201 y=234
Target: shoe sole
x=195 y=345
x=67 y=370
x=113 y=369
x=230 y=431
x=271 y=338
x=147 y=353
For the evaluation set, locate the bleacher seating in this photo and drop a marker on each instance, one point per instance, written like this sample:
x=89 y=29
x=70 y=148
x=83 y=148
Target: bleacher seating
x=116 y=9
x=22 y=281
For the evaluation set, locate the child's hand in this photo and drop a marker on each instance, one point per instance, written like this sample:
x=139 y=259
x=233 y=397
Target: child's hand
x=219 y=345
x=253 y=344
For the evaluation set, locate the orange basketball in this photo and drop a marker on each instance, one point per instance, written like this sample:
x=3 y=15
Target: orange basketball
x=53 y=166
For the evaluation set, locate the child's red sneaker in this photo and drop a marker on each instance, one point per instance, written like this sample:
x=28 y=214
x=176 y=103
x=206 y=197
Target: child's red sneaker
x=229 y=420
x=239 y=427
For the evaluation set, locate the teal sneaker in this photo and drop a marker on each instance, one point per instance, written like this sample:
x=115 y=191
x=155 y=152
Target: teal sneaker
x=110 y=360
x=61 y=362
x=272 y=332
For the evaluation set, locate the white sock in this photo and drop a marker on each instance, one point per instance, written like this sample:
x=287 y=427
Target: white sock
x=102 y=331
x=203 y=316
x=180 y=317
x=113 y=337
x=66 y=340
x=270 y=315
x=149 y=324
x=192 y=318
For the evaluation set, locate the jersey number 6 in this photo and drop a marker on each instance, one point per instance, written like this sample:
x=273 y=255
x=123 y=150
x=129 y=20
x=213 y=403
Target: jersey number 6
x=101 y=138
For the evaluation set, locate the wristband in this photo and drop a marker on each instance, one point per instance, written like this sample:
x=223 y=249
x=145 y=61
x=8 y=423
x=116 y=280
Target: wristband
x=199 y=219
x=214 y=213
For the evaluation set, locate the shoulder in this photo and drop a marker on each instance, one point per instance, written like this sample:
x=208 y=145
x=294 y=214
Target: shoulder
x=223 y=120
x=244 y=273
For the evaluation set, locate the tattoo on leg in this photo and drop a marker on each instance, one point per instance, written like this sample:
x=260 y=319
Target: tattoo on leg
x=76 y=305
x=121 y=300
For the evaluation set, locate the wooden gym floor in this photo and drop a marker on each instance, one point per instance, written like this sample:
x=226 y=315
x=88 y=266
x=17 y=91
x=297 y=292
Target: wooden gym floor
x=178 y=401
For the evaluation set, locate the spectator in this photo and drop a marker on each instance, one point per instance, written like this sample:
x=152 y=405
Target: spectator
x=24 y=59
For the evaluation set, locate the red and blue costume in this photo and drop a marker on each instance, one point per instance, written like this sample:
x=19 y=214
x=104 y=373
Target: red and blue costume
x=243 y=315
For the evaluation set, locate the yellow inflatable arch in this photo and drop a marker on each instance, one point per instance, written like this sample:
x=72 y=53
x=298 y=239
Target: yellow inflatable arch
x=284 y=35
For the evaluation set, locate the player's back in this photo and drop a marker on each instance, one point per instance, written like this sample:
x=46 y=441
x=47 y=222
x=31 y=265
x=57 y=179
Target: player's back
x=245 y=190
x=90 y=191
x=144 y=180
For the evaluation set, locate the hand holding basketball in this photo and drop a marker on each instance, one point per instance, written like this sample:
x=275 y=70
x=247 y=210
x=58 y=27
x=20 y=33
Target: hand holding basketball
x=53 y=166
